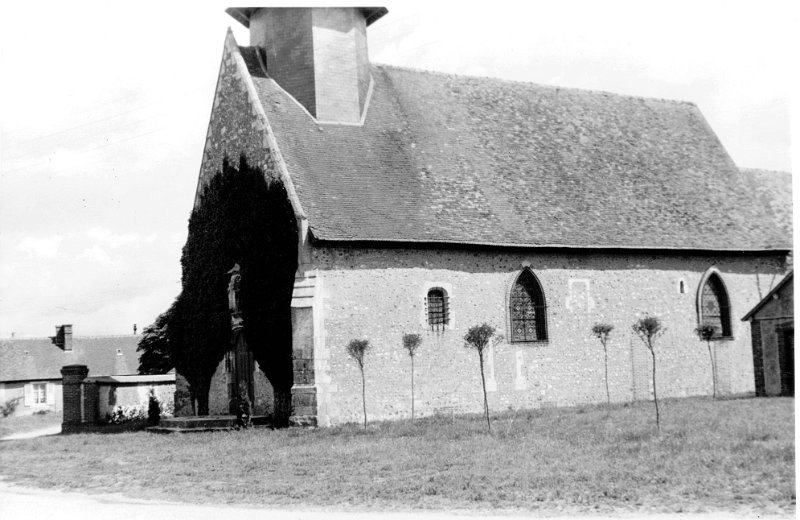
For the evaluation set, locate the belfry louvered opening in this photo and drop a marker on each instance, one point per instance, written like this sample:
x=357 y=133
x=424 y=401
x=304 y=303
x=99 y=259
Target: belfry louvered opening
x=715 y=307
x=527 y=309
x=438 y=308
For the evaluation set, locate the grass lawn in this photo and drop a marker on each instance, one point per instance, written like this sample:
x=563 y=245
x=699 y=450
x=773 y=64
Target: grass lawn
x=28 y=423
x=727 y=455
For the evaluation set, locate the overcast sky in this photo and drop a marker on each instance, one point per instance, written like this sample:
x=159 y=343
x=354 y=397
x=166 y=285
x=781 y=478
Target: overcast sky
x=104 y=109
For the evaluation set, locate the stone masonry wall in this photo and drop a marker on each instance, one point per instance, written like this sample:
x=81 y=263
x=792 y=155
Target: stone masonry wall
x=218 y=393
x=379 y=294
x=234 y=128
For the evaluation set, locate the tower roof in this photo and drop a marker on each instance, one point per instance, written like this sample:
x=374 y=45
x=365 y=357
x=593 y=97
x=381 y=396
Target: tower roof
x=243 y=14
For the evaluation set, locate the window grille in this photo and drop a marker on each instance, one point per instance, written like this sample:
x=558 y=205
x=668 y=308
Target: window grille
x=438 y=308
x=527 y=309
x=714 y=307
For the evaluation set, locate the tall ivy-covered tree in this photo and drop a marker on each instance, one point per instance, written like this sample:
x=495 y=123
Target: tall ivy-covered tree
x=155 y=353
x=242 y=217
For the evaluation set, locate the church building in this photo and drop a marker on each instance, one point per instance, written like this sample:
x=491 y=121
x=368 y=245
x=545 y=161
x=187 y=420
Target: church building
x=429 y=203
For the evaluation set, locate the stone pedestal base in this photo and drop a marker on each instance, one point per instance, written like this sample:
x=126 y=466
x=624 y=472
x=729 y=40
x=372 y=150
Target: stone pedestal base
x=304 y=406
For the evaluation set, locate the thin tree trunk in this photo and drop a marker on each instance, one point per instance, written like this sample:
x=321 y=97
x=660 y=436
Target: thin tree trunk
x=713 y=369
x=485 y=399
x=412 y=388
x=608 y=393
x=364 y=396
x=655 y=396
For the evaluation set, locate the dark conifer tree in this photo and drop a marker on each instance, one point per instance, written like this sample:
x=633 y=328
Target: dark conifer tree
x=241 y=218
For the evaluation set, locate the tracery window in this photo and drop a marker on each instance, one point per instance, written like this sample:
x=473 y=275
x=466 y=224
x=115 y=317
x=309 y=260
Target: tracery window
x=527 y=309
x=715 y=307
x=438 y=306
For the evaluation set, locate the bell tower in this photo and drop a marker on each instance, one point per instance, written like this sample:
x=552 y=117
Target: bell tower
x=318 y=55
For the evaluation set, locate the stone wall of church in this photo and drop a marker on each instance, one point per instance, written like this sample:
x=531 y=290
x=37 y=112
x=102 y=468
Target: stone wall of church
x=380 y=294
x=218 y=393
x=234 y=128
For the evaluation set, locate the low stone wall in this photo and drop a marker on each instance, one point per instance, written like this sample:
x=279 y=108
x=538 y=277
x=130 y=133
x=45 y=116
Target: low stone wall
x=92 y=401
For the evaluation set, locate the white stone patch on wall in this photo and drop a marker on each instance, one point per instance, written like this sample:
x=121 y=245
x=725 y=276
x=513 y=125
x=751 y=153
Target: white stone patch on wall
x=520 y=383
x=579 y=299
x=491 y=381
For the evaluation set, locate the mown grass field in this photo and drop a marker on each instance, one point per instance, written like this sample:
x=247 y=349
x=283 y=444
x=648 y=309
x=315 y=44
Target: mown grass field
x=28 y=423
x=727 y=455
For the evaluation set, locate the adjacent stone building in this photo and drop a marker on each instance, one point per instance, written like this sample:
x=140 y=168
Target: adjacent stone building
x=428 y=203
x=30 y=369
x=772 y=329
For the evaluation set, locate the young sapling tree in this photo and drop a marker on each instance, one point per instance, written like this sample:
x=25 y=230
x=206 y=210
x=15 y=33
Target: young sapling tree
x=357 y=348
x=649 y=328
x=478 y=338
x=411 y=342
x=706 y=332
x=601 y=332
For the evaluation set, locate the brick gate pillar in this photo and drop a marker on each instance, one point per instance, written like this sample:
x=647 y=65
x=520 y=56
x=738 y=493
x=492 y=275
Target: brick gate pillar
x=72 y=379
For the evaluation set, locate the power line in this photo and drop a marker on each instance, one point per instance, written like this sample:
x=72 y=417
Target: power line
x=95 y=121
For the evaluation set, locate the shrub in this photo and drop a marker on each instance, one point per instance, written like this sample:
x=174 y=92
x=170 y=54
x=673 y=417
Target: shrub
x=706 y=332
x=9 y=407
x=478 y=338
x=153 y=408
x=648 y=329
x=411 y=343
x=601 y=332
x=123 y=414
x=357 y=348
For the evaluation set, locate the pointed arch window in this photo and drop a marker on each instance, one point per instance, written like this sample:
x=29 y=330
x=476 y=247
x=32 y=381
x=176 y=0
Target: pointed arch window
x=714 y=307
x=527 y=309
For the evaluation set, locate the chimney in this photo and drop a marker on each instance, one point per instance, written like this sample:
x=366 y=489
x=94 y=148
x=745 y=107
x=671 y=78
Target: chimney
x=63 y=337
x=318 y=55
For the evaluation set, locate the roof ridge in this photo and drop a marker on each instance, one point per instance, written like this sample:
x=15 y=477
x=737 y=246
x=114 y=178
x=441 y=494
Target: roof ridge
x=540 y=85
x=96 y=336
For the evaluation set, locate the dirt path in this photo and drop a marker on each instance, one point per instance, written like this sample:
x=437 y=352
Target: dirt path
x=41 y=432
x=17 y=503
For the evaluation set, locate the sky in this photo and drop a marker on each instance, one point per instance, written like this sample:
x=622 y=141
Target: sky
x=104 y=109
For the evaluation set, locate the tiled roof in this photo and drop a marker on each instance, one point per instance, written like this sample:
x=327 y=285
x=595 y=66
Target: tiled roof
x=39 y=358
x=455 y=159
x=774 y=191
x=786 y=279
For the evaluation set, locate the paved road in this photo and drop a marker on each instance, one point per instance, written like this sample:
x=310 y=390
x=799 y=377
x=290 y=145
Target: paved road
x=18 y=503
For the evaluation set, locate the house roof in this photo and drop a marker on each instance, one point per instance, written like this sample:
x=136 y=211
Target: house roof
x=39 y=358
x=768 y=297
x=455 y=159
x=774 y=192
